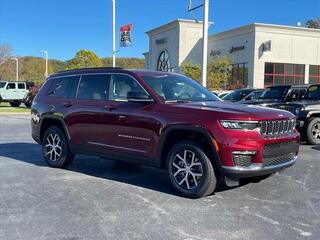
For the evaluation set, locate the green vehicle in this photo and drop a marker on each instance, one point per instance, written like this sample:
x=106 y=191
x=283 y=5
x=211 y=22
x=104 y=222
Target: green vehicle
x=14 y=92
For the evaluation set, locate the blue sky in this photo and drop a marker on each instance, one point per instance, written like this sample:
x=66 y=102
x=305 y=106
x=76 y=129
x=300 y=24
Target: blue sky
x=64 y=26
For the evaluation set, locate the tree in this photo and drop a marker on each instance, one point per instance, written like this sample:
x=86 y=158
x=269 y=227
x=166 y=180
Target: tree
x=191 y=70
x=84 y=59
x=219 y=72
x=313 y=23
x=5 y=52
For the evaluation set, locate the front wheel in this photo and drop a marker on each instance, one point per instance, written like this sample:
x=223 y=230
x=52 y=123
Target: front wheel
x=313 y=131
x=55 y=148
x=190 y=170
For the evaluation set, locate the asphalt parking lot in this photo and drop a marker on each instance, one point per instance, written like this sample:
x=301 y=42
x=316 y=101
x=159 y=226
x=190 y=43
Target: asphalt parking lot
x=99 y=199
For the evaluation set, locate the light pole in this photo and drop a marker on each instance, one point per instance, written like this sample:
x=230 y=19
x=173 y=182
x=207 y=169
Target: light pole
x=17 y=68
x=114 y=33
x=205 y=6
x=46 y=55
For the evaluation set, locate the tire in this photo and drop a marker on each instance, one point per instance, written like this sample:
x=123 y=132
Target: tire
x=313 y=131
x=15 y=103
x=28 y=101
x=60 y=155
x=193 y=186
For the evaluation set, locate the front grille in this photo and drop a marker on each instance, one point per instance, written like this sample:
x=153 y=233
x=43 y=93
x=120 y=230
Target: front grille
x=241 y=160
x=273 y=161
x=269 y=128
x=286 y=108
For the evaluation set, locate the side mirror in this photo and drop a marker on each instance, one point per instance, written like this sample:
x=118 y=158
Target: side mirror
x=137 y=96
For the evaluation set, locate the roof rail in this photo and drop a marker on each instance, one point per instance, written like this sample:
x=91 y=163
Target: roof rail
x=89 y=68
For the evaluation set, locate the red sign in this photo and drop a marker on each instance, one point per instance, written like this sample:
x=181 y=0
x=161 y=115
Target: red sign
x=125 y=35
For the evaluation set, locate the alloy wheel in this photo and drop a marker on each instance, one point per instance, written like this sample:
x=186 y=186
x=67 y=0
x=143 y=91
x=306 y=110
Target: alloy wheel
x=187 y=169
x=316 y=131
x=53 y=147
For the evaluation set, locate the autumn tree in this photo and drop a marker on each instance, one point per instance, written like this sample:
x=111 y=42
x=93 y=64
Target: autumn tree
x=313 y=23
x=5 y=52
x=219 y=72
x=191 y=70
x=84 y=59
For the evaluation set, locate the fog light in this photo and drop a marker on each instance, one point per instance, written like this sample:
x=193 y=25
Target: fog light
x=242 y=158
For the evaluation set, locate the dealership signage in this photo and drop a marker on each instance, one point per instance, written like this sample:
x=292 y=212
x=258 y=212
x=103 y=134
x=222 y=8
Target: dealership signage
x=235 y=49
x=125 y=35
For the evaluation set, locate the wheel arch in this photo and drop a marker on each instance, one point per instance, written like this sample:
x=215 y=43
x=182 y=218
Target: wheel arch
x=176 y=133
x=49 y=121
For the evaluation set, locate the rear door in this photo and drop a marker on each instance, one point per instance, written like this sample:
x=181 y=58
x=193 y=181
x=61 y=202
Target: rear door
x=84 y=109
x=21 y=91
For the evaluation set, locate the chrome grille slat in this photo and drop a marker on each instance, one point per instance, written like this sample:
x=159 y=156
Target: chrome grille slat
x=271 y=128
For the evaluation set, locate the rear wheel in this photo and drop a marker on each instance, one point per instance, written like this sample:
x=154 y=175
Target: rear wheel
x=55 y=148
x=190 y=170
x=15 y=103
x=313 y=131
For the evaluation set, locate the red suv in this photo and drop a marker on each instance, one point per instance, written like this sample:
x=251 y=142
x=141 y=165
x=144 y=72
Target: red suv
x=161 y=119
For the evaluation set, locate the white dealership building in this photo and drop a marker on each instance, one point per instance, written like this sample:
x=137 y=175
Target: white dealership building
x=262 y=54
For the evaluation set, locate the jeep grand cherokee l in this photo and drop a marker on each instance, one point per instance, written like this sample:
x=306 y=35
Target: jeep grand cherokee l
x=161 y=119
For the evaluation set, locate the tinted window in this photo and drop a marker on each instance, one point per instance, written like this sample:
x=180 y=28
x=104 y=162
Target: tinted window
x=313 y=93
x=178 y=88
x=237 y=95
x=60 y=87
x=276 y=93
x=2 y=84
x=121 y=85
x=93 y=87
x=11 y=86
x=21 y=86
x=296 y=94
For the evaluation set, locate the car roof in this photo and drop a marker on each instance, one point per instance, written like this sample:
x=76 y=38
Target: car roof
x=108 y=69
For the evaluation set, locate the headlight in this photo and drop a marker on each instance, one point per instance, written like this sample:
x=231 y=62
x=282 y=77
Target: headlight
x=235 y=124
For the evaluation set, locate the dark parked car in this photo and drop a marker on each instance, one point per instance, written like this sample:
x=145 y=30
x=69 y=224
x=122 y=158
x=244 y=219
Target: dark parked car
x=244 y=94
x=278 y=94
x=308 y=114
x=164 y=120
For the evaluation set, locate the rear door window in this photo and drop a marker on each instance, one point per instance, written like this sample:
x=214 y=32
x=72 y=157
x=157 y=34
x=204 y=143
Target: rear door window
x=93 y=86
x=21 y=86
x=61 y=86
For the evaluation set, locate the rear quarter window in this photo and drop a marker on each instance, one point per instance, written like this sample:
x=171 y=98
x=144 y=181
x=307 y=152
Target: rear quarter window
x=61 y=86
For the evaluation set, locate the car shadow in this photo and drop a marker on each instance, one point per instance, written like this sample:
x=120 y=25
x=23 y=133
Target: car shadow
x=129 y=173
x=316 y=147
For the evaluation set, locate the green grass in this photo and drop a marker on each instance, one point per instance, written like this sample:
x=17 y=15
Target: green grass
x=6 y=108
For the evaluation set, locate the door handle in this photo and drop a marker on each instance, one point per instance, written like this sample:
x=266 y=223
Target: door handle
x=67 y=104
x=110 y=107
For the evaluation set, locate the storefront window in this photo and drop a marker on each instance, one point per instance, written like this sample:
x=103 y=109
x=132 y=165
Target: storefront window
x=282 y=73
x=314 y=74
x=239 y=76
x=164 y=62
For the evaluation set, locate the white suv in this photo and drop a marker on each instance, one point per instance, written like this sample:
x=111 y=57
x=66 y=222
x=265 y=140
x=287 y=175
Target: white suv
x=14 y=92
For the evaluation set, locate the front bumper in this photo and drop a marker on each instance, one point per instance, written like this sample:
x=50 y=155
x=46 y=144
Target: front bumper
x=254 y=170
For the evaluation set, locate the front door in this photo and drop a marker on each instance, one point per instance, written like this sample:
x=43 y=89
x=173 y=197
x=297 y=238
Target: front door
x=127 y=128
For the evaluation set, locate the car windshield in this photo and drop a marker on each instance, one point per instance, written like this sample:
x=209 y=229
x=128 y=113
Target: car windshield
x=174 y=88
x=275 y=93
x=237 y=95
x=313 y=93
x=2 y=84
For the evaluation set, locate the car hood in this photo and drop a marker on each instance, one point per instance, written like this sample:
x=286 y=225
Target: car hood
x=305 y=103
x=261 y=102
x=236 y=111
